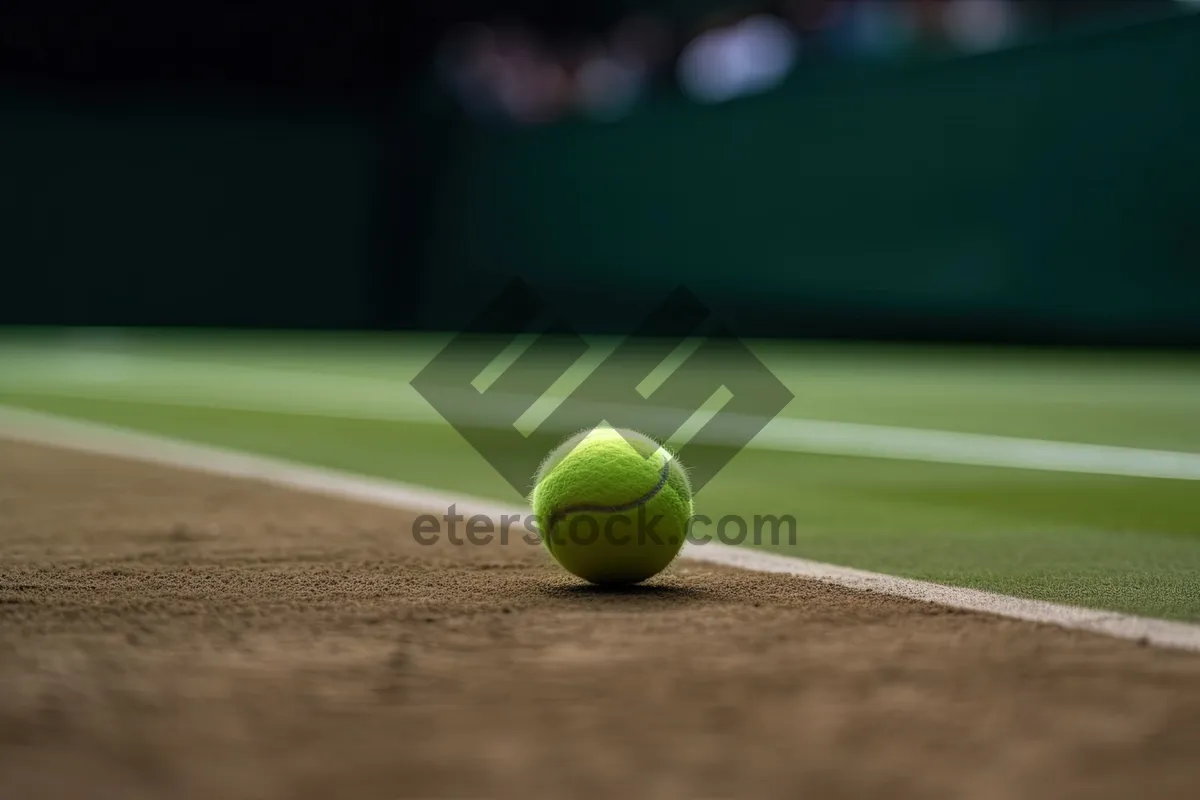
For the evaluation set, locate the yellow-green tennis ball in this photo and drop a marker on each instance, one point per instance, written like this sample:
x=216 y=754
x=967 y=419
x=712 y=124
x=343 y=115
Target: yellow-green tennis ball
x=612 y=506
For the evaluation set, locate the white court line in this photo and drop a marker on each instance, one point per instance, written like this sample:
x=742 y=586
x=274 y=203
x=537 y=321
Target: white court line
x=282 y=390
x=781 y=434
x=57 y=431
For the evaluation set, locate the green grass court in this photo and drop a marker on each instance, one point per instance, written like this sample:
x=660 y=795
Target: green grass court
x=1098 y=540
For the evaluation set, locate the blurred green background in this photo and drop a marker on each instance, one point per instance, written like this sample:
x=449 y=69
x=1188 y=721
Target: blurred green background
x=1038 y=192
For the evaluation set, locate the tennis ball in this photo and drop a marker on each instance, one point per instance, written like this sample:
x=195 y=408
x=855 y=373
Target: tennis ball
x=612 y=506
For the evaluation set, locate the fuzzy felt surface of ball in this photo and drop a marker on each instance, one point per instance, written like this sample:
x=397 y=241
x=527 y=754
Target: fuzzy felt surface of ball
x=612 y=505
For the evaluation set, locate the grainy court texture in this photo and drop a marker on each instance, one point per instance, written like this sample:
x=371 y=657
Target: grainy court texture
x=168 y=634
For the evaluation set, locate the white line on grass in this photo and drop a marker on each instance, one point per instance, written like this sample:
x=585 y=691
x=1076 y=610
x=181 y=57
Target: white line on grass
x=276 y=390
x=57 y=431
x=782 y=434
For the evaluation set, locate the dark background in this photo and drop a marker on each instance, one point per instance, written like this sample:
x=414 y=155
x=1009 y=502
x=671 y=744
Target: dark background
x=269 y=164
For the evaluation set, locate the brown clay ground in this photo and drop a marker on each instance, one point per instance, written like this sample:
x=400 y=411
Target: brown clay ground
x=174 y=635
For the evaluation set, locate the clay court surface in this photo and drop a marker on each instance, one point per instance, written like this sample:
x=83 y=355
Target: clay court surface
x=165 y=633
